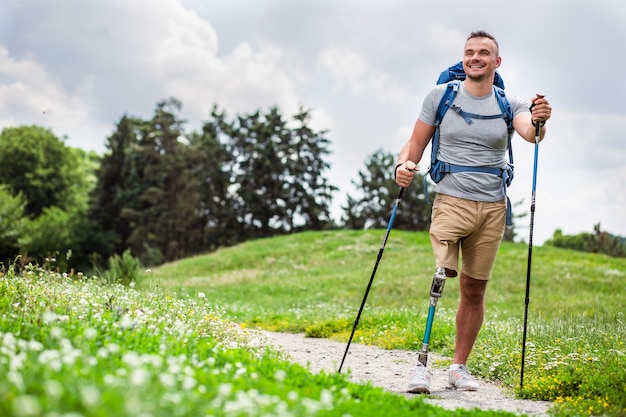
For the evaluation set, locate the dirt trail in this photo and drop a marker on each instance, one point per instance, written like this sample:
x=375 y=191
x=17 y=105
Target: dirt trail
x=389 y=369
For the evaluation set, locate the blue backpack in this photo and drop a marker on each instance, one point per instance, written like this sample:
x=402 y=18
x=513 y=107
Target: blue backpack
x=453 y=77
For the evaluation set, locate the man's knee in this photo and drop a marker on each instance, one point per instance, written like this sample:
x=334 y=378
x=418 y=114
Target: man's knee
x=472 y=290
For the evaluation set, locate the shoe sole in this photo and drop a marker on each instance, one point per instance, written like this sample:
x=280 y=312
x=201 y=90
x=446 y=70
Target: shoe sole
x=419 y=390
x=464 y=388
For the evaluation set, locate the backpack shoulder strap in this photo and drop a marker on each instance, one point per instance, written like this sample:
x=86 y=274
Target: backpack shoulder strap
x=452 y=88
x=445 y=103
x=505 y=107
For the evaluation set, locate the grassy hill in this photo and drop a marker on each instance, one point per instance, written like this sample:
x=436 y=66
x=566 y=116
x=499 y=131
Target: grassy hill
x=314 y=282
x=288 y=282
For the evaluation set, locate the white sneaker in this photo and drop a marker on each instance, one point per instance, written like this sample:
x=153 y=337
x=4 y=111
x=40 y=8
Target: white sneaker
x=462 y=380
x=420 y=380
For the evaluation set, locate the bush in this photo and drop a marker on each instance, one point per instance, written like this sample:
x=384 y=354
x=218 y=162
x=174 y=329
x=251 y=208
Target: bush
x=125 y=269
x=596 y=242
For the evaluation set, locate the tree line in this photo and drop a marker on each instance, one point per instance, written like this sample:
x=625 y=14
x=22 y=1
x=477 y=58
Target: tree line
x=164 y=193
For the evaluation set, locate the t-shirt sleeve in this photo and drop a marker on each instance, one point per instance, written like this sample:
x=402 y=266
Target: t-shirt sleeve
x=430 y=103
x=519 y=105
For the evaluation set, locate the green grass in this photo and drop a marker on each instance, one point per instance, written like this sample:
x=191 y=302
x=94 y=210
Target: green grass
x=180 y=344
x=314 y=282
x=73 y=346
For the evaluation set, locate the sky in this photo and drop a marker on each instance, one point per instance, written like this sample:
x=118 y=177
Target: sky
x=362 y=67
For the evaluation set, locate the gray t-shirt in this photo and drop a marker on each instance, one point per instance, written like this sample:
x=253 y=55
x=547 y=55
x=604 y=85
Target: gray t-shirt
x=479 y=143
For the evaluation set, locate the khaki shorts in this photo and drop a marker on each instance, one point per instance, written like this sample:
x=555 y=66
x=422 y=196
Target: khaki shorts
x=474 y=227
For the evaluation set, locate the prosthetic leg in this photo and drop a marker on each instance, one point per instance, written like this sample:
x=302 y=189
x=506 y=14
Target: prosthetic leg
x=436 y=289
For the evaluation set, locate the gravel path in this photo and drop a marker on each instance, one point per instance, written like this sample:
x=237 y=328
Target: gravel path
x=389 y=369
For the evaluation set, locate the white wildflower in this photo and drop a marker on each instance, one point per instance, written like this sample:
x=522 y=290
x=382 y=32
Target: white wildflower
x=56 y=332
x=53 y=388
x=90 y=333
x=90 y=396
x=35 y=346
x=167 y=379
x=139 y=376
x=15 y=378
x=132 y=359
x=8 y=341
x=189 y=383
x=280 y=375
x=28 y=405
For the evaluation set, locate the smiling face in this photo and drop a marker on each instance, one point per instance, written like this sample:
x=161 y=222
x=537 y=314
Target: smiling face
x=481 y=59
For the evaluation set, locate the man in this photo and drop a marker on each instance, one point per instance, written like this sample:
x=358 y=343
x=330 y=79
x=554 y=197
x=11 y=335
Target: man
x=469 y=210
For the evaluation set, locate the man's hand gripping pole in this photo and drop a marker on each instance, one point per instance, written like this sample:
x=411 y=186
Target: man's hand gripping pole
x=436 y=290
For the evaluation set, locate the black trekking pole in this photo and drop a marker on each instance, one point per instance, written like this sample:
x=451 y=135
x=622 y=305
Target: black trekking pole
x=530 y=247
x=411 y=166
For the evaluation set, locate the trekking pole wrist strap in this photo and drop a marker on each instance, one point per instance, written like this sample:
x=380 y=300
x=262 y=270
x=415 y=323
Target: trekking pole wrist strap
x=395 y=170
x=541 y=123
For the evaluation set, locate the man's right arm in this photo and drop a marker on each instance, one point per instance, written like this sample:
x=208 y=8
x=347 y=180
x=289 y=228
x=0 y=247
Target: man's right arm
x=413 y=151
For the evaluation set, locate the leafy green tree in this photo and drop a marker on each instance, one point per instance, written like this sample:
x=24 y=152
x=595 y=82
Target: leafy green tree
x=12 y=223
x=377 y=194
x=116 y=180
x=309 y=194
x=278 y=173
x=166 y=194
x=259 y=172
x=164 y=209
x=86 y=166
x=34 y=162
x=212 y=165
x=54 y=182
x=49 y=236
x=156 y=188
x=65 y=235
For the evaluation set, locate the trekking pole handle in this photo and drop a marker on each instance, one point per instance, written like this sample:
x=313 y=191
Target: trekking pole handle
x=411 y=166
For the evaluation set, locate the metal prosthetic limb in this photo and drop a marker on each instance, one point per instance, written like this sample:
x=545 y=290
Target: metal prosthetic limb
x=436 y=289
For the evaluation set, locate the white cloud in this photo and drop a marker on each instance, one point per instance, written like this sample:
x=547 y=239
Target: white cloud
x=353 y=72
x=29 y=95
x=147 y=51
x=346 y=67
